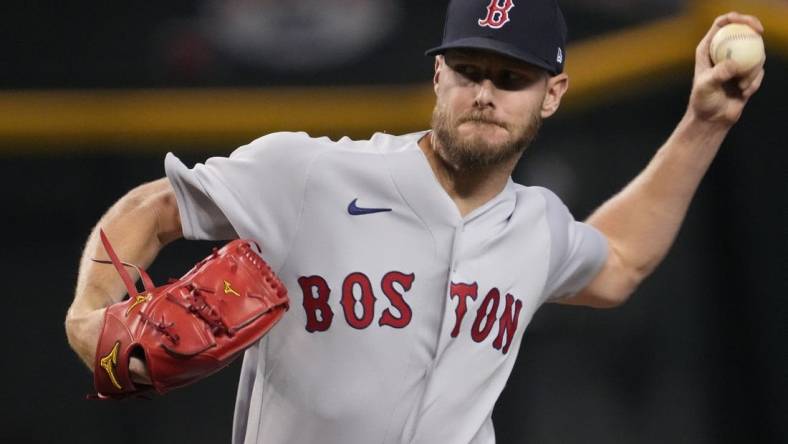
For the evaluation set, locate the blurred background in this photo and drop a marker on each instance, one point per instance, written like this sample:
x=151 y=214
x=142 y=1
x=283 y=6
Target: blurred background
x=93 y=94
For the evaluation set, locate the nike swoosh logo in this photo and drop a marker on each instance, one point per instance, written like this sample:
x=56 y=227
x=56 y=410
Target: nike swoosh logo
x=355 y=210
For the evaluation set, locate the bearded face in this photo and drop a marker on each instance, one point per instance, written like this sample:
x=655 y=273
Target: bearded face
x=475 y=139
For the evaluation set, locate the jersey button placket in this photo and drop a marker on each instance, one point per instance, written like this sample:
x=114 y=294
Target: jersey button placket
x=456 y=248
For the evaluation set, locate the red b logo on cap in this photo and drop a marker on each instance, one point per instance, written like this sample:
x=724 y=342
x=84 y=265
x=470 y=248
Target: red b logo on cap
x=497 y=13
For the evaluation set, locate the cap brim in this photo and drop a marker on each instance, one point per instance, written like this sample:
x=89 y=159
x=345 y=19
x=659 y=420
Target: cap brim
x=491 y=45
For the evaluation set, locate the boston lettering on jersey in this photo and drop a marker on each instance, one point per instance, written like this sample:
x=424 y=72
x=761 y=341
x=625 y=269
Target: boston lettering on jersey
x=320 y=316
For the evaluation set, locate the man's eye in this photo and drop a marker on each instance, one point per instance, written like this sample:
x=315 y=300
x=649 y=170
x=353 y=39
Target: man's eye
x=469 y=71
x=511 y=80
x=511 y=76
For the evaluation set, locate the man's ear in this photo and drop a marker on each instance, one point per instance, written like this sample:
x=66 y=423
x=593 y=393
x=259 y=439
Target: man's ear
x=436 y=76
x=556 y=88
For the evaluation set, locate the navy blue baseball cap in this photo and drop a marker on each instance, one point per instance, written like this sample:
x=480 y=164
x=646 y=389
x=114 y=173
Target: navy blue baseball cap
x=533 y=31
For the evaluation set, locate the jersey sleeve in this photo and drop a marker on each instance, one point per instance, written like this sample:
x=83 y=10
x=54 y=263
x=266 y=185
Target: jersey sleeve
x=578 y=251
x=255 y=193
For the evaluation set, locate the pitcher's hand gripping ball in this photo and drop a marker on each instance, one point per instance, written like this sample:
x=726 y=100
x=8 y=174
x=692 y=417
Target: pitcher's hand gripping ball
x=740 y=43
x=191 y=327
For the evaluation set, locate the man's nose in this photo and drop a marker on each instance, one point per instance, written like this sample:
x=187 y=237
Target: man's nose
x=484 y=93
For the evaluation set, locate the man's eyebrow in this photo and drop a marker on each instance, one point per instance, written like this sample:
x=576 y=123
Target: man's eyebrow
x=460 y=56
x=463 y=53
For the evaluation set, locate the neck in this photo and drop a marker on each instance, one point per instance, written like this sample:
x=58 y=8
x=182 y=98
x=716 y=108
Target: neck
x=469 y=189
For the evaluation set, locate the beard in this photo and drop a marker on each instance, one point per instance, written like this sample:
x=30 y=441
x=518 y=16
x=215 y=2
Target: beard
x=475 y=152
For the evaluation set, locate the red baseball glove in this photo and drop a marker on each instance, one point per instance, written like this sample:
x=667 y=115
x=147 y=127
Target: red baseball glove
x=190 y=328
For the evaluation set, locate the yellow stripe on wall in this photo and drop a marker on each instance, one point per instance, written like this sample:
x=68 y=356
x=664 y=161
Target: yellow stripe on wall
x=206 y=116
x=600 y=70
x=772 y=13
x=605 y=67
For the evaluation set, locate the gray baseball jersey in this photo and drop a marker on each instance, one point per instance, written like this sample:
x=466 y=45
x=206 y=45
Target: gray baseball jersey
x=405 y=318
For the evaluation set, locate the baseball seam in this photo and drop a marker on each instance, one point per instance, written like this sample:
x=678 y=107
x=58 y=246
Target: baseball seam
x=737 y=37
x=731 y=37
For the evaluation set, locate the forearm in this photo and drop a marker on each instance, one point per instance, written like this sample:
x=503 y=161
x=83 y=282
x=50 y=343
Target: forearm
x=641 y=222
x=137 y=231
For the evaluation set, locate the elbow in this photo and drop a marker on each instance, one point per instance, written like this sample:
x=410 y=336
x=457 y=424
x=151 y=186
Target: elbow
x=624 y=288
x=620 y=298
x=616 y=282
x=612 y=293
x=82 y=333
x=619 y=281
x=610 y=302
x=75 y=340
x=613 y=300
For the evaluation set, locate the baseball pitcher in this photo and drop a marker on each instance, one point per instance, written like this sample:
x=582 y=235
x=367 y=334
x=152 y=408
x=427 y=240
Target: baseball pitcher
x=412 y=263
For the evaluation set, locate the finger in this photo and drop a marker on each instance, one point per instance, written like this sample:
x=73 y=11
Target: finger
x=702 y=51
x=750 y=77
x=724 y=72
x=754 y=86
x=752 y=21
x=736 y=17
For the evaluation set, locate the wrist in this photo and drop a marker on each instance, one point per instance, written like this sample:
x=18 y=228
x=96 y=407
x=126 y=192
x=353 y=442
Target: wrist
x=698 y=131
x=693 y=119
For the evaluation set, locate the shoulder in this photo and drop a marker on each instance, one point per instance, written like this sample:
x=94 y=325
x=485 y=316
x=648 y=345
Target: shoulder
x=550 y=201
x=300 y=147
x=546 y=206
x=285 y=146
x=549 y=196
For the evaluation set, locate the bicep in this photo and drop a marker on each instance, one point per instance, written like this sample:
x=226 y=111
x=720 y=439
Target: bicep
x=168 y=218
x=158 y=202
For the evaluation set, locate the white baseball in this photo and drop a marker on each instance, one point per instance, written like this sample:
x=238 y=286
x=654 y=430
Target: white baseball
x=740 y=43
